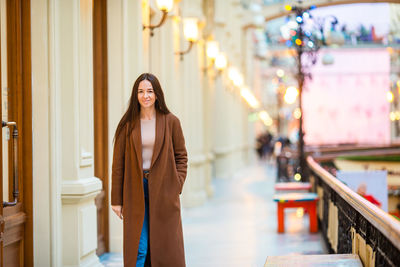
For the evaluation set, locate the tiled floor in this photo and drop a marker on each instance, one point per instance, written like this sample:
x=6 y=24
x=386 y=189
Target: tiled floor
x=237 y=227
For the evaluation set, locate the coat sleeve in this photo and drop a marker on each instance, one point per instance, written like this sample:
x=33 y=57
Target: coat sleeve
x=179 y=150
x=118 y=169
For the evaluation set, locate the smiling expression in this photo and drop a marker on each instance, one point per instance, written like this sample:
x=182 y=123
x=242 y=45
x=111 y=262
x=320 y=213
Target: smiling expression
x=146 y=95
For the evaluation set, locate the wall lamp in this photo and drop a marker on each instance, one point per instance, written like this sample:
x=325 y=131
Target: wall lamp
x=165 y=6
x=221 y=62
x=191 y=33
x=212 y=51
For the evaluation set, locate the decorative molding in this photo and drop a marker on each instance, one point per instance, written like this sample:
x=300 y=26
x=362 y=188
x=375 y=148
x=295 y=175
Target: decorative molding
x=75 y=191
x=86 y=159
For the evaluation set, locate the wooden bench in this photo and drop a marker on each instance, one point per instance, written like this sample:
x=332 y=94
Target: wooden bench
x=347 y=260
x=292 y=186
x=307 y=201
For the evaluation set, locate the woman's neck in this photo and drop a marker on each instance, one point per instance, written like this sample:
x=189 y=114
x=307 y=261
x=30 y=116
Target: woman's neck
x=147 y=113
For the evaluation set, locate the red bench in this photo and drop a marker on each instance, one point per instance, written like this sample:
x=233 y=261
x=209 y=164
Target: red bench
x=292 y=186
x=307 y=201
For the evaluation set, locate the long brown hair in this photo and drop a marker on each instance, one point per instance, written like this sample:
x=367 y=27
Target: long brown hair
x=133 y=111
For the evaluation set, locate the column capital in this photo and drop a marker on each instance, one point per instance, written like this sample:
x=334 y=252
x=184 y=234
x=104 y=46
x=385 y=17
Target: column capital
x=76 y=191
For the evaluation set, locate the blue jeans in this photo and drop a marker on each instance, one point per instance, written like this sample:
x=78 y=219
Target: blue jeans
x=144 y=236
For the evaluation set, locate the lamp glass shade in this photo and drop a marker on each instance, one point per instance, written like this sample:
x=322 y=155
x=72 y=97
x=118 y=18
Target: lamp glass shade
x=165 y=5
x=190 y=29
x=221 y=62
x=212 y=49
x=249 y=97
x=232 y=73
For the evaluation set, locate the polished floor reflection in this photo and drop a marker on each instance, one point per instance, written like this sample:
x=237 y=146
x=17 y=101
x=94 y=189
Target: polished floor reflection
x=238 y=226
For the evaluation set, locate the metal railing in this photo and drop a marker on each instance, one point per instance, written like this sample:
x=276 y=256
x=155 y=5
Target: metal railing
x=351 y=224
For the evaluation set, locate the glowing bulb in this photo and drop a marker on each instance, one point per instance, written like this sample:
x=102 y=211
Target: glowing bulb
x=297 y=176
x=232 y=73
x=389 y=96
x=165 y=5
x=265 y=118
x=288 y=7
x=392 y=116
x=297 y=113
x=249 y=97
x=397 y=114
x=280 y=73
x=221 y=62
x=190 y=29
x=291 y=94
x=212 y=49
x=298 y=42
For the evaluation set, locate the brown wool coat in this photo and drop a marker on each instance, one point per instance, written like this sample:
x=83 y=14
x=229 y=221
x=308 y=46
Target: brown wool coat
x=166 y=178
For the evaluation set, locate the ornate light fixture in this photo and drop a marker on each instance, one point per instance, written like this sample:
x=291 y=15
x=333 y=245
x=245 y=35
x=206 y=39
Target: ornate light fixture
x=191 y=33
x=212 y=51
x=306 y=45
x=249 y=97
x=165 y=6
x=221 y=62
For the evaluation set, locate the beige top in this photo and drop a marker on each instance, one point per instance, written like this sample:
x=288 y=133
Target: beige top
x=148 y=128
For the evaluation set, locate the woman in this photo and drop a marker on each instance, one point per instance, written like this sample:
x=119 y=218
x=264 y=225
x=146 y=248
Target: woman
x=148 y=172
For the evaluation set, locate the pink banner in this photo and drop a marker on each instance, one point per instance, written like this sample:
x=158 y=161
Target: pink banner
x=346 y=102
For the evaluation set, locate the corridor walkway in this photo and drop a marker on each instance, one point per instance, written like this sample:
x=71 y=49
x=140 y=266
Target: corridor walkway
x=237 y=227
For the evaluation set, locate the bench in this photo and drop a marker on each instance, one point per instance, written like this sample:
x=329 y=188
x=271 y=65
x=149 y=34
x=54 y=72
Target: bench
x=307 y=201
x=292 y=186
x=348 y=260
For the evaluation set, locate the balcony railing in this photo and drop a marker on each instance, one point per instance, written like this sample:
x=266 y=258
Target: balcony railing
x=351 y=224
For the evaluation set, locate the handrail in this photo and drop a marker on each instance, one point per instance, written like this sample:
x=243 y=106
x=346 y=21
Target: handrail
x=386 y=224
x=15 y=158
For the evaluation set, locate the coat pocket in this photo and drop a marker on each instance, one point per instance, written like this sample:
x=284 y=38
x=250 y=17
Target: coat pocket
x=180 y=184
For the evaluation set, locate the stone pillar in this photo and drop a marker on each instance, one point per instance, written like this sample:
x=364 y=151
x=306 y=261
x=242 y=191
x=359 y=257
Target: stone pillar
x=128 y=57
x=194 y=192
x=46 y=193
x=74 y=95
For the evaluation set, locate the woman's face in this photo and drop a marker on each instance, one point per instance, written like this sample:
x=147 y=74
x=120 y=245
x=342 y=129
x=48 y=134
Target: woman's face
x=146 y=96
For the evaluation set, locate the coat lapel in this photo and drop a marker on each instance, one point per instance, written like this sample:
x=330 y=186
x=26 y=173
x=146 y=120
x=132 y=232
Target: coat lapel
x=137 y=142
x=160 y=130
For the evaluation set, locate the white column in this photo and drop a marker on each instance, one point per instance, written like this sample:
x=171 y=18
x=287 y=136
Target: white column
x=46 y=197
x=127 y=59
x=231 y=129
x=74 y=134
x=194 y=192
x=208 y=114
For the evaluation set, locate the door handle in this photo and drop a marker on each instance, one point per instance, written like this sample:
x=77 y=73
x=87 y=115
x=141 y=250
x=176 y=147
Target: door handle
x=15 y=159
